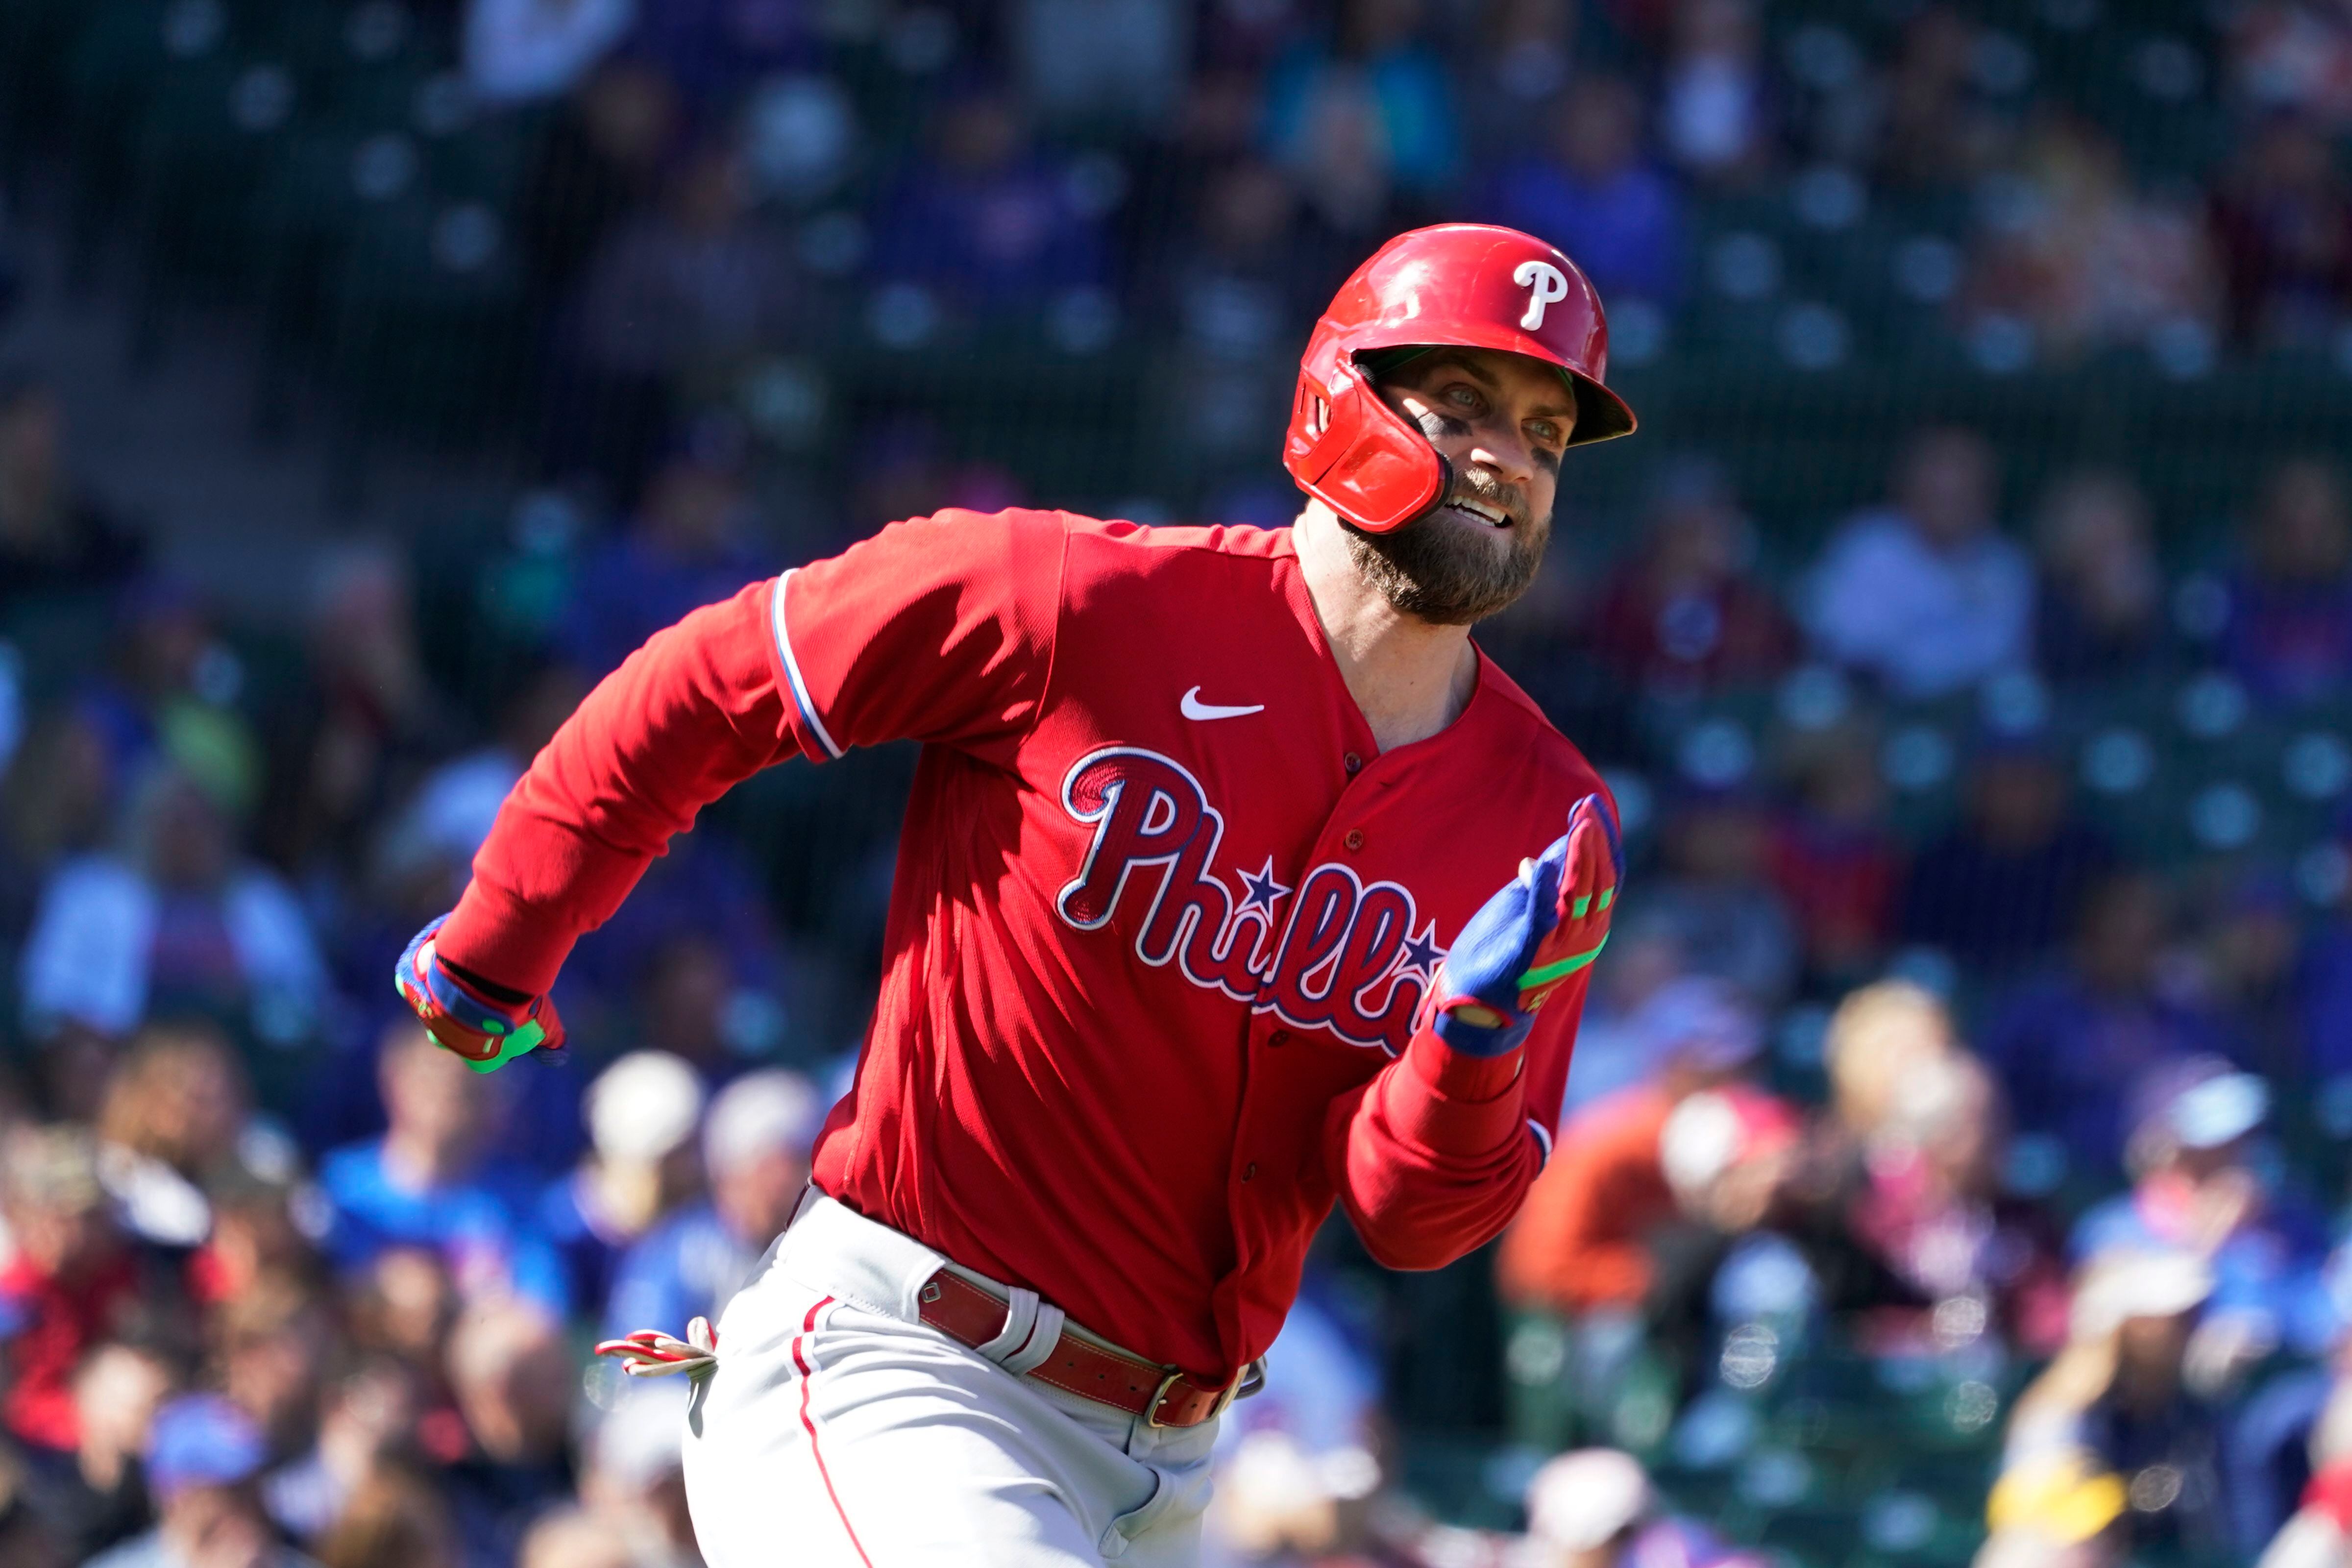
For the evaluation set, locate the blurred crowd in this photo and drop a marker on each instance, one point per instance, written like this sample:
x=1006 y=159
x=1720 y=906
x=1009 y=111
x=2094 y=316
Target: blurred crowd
x=1953 y=1160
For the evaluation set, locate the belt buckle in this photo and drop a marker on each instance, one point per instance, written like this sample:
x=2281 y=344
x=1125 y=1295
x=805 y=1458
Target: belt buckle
x=1151 y=1411
x=1224 y=1400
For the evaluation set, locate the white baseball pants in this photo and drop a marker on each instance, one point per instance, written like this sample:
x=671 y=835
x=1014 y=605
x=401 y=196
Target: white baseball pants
x=839 y=1431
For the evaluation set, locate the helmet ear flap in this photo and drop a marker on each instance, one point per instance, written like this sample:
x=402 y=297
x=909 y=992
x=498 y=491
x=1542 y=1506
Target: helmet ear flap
x=1357 y=456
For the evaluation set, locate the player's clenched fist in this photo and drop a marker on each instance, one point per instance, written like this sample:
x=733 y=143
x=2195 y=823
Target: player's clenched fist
x=487 y=1032
x=1549 y=923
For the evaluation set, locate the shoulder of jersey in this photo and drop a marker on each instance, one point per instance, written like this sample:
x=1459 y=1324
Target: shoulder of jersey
x=1163 y=541
x=1550 y=749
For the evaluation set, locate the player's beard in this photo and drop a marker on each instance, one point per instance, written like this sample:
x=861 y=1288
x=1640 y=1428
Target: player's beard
x=1437 y=568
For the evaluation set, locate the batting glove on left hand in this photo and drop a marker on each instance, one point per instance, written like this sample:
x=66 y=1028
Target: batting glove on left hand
x=1545 y=926
x=486 y=1032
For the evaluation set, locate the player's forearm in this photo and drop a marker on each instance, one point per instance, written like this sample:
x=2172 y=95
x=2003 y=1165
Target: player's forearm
x=1436 y=1156
x=689 y=715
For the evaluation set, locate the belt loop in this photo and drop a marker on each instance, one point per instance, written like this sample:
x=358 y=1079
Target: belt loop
x=1020 y=1317
x=1048 y=1334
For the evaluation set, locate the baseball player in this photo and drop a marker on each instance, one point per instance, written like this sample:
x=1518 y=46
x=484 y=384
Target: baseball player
x=1196 y=931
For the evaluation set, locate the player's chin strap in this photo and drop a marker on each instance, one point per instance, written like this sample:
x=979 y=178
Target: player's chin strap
x=649 y=1352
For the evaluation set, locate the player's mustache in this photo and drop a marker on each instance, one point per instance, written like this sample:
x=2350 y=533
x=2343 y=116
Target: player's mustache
x=1487 y=491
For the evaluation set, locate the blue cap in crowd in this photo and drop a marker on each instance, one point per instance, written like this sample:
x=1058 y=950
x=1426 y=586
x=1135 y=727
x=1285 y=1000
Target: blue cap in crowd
x=2205 y=1102
x=201 y=1440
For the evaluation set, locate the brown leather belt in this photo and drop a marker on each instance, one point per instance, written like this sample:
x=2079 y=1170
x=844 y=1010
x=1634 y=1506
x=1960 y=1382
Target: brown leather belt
x=1162 y=1395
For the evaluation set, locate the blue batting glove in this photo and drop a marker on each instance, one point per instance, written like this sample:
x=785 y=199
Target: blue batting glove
x=1545 y=926
x=487 y=1032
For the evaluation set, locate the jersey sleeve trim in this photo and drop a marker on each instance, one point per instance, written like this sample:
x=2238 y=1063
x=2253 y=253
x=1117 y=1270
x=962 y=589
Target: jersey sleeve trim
x=801 y=698
x=1543 y=1139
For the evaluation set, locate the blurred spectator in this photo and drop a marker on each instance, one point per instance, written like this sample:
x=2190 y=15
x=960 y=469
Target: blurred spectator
x=1235 y=276
x=173 y=1111
x=202 y=1464
x=54 y=538
x=1933 y=1210
x=2282 y=222
x=166 y=693
x=367 y=1420
x=687 y=286
x=1595 y=1507
x=401 y=1305
x=714 y=49
x=635 y=1481
x=683 y=548
x=690 y=965
x=1277 y=1500
x=1739 y=1245
x=1526 y=51
x=52 y=804
x=1925 y=593
x=431 y=1180
x=1714 y=893
x=2114 y=1402
x=2064 y=1040
x=2001 y=887
x=642 y=1112
x=1592 y=192
x=270 y=1350
x=263 y=1220
x=2059 y=1509
x=1936 y=132
x=1579 y=1244
x=694 y=282
x=2197 y=1188
x=426 y=850
x=363 y=721
x=178 y=919
x=2289 y=630
x=394 y=1520
x=1686 y=614
x=1613 y=1048
x=1882 y=1037
x=1715 y=110
x=573 y=1537
x=1118 y=63
x=70 y=1280
x=2096 y=262
x=596 y=162
x=2251 y=950
x=101 y=1498
x=513 y=1380
x=1834 y=860
x=516 y=50
x=981 y=219
x=1364 y=113
x=2099 y=610
x=755 y=1150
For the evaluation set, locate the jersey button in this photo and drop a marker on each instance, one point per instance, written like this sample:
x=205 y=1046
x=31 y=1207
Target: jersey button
x=1249 y=1171
x=1279 y=1037
x=1355 y=763
x=1355 y=839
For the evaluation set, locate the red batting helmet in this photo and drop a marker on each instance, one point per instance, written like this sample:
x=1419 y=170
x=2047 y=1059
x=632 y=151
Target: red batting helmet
x=1470 y=285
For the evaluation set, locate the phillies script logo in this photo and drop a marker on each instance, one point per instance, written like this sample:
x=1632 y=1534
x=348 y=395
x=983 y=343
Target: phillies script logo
x=1343 y=956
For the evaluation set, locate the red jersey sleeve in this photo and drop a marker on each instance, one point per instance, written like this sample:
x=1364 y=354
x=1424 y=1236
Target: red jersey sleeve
x=1437 y=1152
x=939 y=629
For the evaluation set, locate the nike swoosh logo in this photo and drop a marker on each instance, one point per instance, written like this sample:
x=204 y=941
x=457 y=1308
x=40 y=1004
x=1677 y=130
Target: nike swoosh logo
x=1195 y=707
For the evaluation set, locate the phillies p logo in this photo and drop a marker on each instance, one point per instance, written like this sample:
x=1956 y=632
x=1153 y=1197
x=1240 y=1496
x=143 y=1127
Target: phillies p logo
x=1544 y=284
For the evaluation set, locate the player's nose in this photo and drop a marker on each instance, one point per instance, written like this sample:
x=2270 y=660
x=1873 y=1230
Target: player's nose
x=1505 y=454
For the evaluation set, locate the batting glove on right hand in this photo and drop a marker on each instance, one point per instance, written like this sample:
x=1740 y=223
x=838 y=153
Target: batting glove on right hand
x=1545 y=927
x=486 y=1032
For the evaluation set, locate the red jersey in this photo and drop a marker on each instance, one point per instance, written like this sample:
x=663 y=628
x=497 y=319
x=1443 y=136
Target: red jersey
x=1162 y=915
